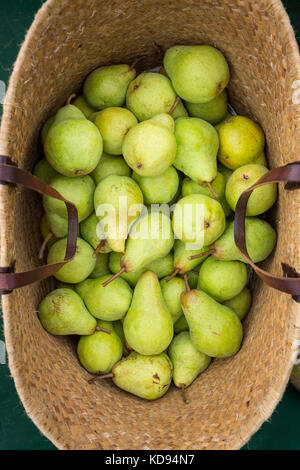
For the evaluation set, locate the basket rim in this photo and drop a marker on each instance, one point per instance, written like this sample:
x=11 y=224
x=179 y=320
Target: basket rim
x=52 y=8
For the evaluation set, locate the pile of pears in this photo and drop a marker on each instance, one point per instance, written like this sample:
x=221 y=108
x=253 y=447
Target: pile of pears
x=152 y=308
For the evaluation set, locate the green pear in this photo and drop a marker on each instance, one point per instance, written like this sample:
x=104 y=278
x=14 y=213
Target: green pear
x=213 y=111
x=108 y=303
x=243 y=178
x=148 y=325
x=46 y=127
x=62 y=312
x=99 y=352
x=73 y=145
x=218 y=186
x=150 y=238
x=260 y=241
x=114 y=124
x=171 y=292
x=150 y=94
x=181 y=325
x=79 y=190
x=182 y=261
x=81 y=265
x=161 y=267
x=101 y=266
x=187 y=361
x=147 y=377
x=125 y=197
x=44 y=171
x=83 y=287
x=149 y=148
x=198 y=219
x=222 y=280
x=159 y=189
x=197 y=148
x=198 y=73
x=107 y=86
x=241 y=303
x=241 y=141
x=215 y=329
x=110 y=165
x=81 y=103
x=92 y=232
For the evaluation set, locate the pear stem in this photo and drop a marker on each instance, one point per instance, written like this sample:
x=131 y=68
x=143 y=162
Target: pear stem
x=186 y=401
x=200 y=255
x=187 y=287
x=105 y=330
x=172 y=275
x=100 y=377
x=174 y=105
x=71 y=97
x=216 y=195
x=99 y=247
x=44 y=244
x=136 y=61
x=122 y=270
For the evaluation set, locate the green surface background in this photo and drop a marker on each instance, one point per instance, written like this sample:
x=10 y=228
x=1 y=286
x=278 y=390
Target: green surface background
x=16 y=429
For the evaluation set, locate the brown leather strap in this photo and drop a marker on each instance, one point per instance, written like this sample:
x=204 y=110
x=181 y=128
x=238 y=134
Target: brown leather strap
x=14 y=175
x=289 y=173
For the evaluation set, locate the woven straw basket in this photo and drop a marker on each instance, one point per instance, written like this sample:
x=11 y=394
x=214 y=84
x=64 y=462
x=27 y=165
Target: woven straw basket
x=230 y=401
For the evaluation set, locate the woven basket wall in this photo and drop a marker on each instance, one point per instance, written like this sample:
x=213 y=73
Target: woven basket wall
x=230 y=401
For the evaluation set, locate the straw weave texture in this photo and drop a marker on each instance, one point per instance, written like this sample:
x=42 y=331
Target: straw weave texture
x=230 y=401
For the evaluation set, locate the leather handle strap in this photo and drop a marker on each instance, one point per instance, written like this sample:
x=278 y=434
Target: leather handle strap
x=11 y=174
x=289 y=173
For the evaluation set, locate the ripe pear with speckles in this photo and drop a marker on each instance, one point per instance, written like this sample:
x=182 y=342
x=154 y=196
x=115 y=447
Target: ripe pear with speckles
x=62 y=312
x=241 y=142
x=147 y=377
